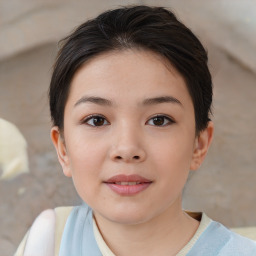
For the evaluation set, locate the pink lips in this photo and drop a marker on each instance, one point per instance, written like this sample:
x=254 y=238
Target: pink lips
x=128 y=185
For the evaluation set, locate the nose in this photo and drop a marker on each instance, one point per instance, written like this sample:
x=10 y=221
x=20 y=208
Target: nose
x=127 y=146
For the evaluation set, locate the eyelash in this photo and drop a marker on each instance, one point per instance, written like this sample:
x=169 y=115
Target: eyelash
x=91 y=117
x=167 y=120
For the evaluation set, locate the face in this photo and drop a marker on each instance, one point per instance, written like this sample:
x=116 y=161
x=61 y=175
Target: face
x=129 y=136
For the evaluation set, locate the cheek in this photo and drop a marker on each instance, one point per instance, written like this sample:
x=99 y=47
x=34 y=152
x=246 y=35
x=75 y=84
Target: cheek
x=85 y=159
x=173 y=166
x=172 y=159
x=173 y=152
x=85 y=151
x=86 y=164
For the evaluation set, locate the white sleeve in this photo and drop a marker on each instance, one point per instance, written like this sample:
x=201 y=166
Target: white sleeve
x=40 y=241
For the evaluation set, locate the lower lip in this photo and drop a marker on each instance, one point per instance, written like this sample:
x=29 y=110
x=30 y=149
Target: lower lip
x=128 y=190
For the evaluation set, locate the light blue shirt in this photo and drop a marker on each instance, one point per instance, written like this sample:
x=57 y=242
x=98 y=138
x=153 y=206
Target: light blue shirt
x=78 y=238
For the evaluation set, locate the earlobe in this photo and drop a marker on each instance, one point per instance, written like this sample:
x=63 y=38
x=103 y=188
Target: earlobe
x=60 y=147
x=202 y=144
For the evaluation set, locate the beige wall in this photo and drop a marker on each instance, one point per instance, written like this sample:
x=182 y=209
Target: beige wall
x=224 y=187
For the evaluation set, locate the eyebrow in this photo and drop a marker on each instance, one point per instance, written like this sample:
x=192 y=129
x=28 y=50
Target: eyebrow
x=162 y=99
x=146 y=102
x=95 y=100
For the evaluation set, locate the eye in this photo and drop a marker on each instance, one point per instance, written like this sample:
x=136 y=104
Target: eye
x=160 y=120
x=95 y=120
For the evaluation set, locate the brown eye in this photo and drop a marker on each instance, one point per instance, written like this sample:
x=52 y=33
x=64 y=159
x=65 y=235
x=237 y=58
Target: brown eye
x=160 y=121
x=96 y=121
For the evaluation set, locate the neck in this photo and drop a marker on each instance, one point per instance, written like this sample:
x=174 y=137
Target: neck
x=165 y=234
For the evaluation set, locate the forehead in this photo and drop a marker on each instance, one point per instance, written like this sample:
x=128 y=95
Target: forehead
x=128 y=75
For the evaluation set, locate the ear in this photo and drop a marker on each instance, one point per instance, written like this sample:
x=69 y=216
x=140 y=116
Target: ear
x=202 y=144
x=59 y=144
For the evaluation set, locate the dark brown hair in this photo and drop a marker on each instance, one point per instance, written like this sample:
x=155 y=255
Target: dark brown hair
x=143 y=27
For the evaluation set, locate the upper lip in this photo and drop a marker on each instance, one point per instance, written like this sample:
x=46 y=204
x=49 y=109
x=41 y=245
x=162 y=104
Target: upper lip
x=127 y=178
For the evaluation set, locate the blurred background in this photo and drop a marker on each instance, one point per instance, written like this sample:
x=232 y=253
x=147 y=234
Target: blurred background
x=224 y=187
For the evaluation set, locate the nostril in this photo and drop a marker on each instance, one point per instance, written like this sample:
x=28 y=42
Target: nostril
x=125 y=158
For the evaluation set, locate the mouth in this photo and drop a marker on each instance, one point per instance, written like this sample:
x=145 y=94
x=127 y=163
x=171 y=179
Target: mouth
x=128 y=185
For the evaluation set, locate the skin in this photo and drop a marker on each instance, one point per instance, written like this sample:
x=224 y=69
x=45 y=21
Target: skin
x=129 y=141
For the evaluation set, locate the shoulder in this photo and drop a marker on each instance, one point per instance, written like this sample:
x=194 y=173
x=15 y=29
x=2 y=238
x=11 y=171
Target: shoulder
x=217 y=240
x=44 y=221
x=45 y=232
x=249 y=232
x=41 y=235
x=235 y=244
x=240 y=245
x=46 y=215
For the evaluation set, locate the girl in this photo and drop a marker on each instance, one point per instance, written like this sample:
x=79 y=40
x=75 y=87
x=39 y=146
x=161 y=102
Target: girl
x=130 y=100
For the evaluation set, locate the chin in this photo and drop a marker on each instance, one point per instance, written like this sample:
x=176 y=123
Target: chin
x=128 y=217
